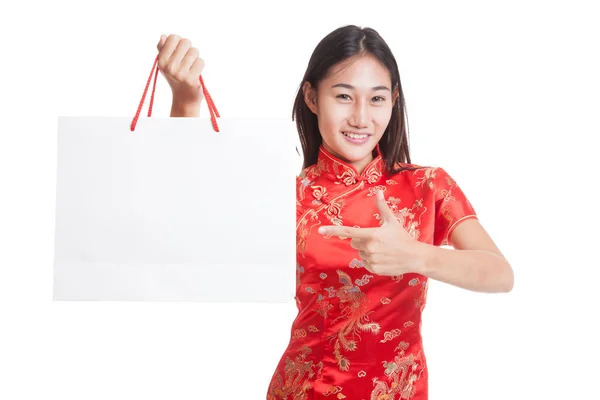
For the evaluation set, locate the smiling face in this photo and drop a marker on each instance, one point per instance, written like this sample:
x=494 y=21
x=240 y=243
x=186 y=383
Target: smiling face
x=353 y=105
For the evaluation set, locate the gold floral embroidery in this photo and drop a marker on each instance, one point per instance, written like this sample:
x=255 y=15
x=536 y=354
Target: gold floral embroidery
x=407 y=217
x=348 y=177
x=319 y=192
x=372 y=173
x=421 y=300
x=299 y=333
x=337 y=390
x=304 y=230
x=401 y=374
x=427 y=180
x=373 y=190
x=344 y=174
x=333 y=211
x=447 y=215
x=323 y=308
x=318 y=168
x=299 y=271
x=390 y=335
x=301 y=190
x=449 y=181
x=298 y=377
x=402 y=346
x=447 y=195
x=364 y=280
x=291 y=382
x=353 y=304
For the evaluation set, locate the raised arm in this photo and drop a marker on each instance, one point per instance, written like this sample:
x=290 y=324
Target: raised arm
x=181 y=65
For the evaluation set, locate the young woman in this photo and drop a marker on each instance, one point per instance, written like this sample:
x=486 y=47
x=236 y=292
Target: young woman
x=369 y=225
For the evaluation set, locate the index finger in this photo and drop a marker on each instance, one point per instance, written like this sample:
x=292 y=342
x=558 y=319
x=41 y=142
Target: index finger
x=346 y=231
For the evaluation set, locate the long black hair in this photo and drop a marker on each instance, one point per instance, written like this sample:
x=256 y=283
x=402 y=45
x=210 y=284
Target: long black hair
x=338 y=46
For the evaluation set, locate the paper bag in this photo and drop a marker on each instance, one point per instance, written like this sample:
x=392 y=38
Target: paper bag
x=175 y=211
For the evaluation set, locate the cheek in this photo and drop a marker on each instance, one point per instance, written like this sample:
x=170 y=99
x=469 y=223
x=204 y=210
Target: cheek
x=331 y=117
x=382 y=117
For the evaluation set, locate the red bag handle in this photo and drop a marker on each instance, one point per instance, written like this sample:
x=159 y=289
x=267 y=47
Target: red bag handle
x=209 y=101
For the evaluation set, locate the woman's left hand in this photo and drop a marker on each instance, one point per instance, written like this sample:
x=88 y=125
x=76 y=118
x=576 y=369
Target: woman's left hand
x=386 y=250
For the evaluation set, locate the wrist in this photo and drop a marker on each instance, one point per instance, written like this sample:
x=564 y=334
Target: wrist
x=185 y=109
x=428 y=259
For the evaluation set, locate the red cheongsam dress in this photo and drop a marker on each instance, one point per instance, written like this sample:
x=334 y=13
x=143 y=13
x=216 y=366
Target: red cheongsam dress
x=357 y=335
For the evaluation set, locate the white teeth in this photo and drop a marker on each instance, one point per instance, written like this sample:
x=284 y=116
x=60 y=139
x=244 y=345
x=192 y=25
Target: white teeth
x=355 y=136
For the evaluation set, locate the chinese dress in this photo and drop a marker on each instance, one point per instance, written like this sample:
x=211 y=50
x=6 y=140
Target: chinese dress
x=357 y=335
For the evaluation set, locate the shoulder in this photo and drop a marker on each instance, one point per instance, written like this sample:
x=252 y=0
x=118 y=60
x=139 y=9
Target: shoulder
x=307 y=174
x=303 y=176
x=416 y=171
x=420 y=176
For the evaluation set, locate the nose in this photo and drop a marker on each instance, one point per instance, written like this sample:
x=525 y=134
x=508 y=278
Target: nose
x=360 y=115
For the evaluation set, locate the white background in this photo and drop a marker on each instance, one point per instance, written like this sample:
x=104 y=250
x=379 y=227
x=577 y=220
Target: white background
x=503 y=95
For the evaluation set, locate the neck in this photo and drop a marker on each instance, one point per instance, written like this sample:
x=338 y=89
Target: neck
x=362 y=164
x=359 y=165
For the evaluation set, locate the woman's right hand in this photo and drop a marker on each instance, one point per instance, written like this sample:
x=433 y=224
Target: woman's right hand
x=181 y=66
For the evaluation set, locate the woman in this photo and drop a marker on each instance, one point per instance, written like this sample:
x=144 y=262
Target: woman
x=369 y=225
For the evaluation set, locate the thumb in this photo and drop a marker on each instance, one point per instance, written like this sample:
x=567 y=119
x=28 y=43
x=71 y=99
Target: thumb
x=387 y=215
x=161 y=42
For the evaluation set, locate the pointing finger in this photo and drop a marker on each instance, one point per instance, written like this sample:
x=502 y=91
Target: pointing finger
x=346 y=231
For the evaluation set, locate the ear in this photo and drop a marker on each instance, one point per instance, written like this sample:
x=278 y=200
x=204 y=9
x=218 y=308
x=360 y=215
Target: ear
x=395 y=95
x=310 y=96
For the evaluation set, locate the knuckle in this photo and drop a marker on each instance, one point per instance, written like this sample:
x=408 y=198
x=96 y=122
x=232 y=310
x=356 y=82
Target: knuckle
x=370 y=246
x=192 y=80
x=172 y=39
x=198 y=64
x=171 y=70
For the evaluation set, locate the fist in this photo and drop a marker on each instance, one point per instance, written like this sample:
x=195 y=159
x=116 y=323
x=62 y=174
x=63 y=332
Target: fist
x=181 y=65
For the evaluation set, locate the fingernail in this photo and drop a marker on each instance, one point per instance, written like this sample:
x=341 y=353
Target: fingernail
x=322 y=230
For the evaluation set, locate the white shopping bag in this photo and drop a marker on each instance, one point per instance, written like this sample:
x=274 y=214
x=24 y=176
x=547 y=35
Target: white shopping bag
x=174 y=211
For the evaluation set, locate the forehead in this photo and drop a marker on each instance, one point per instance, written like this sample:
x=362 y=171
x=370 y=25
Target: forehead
x=365 y=69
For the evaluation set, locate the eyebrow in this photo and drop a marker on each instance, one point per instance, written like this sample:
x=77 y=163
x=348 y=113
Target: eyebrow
x=345 y=85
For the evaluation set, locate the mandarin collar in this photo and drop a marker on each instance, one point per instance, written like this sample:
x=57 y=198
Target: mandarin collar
x=341 y=172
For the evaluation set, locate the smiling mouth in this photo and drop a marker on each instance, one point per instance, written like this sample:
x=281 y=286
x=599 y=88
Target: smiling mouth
x=354 y=135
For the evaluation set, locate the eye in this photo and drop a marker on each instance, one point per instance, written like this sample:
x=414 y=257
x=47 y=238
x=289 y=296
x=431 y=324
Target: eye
x=343 y=97
x=378 y=97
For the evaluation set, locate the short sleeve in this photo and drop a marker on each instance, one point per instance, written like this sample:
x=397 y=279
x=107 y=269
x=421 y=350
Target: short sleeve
x=451 y=207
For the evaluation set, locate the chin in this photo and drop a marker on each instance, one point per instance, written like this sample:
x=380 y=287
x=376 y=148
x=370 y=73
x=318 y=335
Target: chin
x=354 y=152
